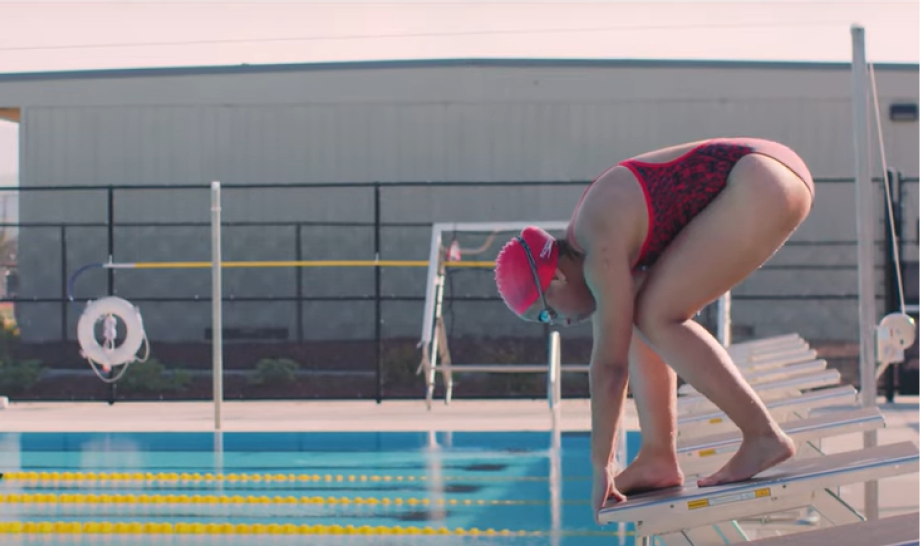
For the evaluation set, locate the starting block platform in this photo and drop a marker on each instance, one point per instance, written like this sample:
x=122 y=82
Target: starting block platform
x=695 y=516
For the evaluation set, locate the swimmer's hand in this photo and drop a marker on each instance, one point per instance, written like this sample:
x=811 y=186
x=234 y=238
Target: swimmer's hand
x=604 y=491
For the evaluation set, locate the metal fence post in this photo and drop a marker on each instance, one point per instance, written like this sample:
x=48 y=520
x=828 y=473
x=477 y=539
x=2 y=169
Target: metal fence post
x=298 y=283
x=65 y=307
x=110 y=273
x=892 y=304
x=110 y=238
x=378 y=319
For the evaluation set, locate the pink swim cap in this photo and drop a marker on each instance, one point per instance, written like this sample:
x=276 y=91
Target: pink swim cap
x=513 y=274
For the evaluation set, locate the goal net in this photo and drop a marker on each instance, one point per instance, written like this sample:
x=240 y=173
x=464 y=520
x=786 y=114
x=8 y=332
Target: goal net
x=460 y=271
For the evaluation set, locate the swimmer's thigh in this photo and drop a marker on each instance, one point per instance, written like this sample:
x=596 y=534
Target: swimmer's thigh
x=762 y=204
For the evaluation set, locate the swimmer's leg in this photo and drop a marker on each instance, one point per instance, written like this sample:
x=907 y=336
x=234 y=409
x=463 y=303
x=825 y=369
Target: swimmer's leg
x=753 y=216
x=654 y=389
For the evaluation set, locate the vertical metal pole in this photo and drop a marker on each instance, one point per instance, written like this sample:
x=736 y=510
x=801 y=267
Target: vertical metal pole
x=65 y=302
x=555 y=485
x=899 y=238
x=298 y=256
x=216 y=305
x=110 y=273
x=554 y=375
x=110 y=238
x=891 y=283
x=865 y=224
x=378 y=319
x=431 y=333
x=724 y=319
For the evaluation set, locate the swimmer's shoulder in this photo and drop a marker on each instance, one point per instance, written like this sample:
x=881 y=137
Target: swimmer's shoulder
x=609 y=209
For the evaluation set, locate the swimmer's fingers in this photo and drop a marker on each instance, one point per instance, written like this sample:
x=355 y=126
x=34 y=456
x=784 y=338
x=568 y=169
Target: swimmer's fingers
x=604 y=492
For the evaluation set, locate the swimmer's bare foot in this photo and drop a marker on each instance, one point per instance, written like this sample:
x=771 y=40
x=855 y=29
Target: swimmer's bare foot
x=756 y=454
x=648 y=472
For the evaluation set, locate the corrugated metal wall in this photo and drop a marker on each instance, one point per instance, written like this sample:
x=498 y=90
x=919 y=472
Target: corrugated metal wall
x=400 y=124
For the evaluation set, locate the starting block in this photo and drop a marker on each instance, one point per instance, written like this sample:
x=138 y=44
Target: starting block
x=715 y=422
x=774 y=358
x=772 y=352
x=756 y=377
x=764 y=367
x=794 y=355
x=766 y=341
x=766 y=345
x=767 y=391
x=765 y=375
x=694 y=516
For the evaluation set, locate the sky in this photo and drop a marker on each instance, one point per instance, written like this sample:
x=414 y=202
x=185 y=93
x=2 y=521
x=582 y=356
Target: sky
x=39 y=35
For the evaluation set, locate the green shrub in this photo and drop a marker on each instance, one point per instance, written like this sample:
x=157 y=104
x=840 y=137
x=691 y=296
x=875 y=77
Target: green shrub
x=400 y=362
x=19 y=377
x=152 y=376
x=274 y=371
x=9 y=339
x=16 y=376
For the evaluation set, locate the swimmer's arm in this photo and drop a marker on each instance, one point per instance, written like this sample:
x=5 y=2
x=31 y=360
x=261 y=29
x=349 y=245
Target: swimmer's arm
x=608 y=275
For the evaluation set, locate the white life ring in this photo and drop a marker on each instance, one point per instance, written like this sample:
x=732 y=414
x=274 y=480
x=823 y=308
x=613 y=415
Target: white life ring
x=101 y=309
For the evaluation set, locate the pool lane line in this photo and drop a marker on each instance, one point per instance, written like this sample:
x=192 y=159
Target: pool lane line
x=31 y=476
x=106 y=498
x=227 y=528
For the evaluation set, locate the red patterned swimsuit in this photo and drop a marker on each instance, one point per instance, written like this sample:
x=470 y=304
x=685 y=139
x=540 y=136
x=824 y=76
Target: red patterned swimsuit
x=678 y=190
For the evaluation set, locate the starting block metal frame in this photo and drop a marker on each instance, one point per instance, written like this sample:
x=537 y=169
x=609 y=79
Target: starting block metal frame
x=694 y=516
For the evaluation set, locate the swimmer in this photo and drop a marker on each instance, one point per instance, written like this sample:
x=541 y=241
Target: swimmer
x=652 y=241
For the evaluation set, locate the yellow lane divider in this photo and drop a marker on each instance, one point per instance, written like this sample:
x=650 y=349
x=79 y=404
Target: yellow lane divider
x=128 y=498
x=33 y=476
x=226 y=528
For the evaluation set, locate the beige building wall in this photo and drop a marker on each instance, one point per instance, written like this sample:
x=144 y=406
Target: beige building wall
x=476 y=121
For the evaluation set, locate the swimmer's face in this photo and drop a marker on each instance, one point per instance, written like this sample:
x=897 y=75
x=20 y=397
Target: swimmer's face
x=567 y=302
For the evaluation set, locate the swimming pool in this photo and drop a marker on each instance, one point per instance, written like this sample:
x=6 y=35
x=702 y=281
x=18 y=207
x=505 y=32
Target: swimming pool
x=484 y=488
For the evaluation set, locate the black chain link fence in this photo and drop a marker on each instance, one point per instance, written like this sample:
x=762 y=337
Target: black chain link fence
x=331 y=332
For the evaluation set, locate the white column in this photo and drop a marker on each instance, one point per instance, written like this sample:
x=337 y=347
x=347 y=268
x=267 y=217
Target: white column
x=865 y=230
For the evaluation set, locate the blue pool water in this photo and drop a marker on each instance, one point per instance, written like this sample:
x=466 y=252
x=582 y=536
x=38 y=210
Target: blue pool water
x=338 y=488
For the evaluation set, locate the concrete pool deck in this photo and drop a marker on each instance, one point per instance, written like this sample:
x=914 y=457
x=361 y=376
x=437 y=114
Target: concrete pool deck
x=307 y=416
x=902 y=416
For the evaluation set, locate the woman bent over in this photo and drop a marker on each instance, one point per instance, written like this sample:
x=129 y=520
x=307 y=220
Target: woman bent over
x=653 y=240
